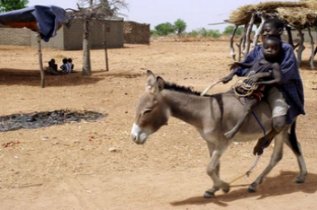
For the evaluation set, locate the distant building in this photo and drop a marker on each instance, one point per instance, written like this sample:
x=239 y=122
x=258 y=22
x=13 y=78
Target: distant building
x=70 y=38
x=136 y=33
x=118 y=32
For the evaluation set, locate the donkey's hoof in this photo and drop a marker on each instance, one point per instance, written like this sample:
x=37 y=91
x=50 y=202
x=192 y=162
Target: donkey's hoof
x=300 y=179
x=252 y=188
x=225 y=187
x=209 y=195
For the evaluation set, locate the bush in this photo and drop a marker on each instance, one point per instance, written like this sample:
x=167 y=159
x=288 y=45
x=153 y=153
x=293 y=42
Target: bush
x=229 y=30
x=180 y=26
x=164 y=29
x=205 y=33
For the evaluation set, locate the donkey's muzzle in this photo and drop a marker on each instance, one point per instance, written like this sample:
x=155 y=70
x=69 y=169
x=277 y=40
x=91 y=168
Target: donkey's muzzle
x=137 y=135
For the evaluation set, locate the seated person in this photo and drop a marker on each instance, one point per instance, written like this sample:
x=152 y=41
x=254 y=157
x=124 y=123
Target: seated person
x=261 y=73
x=71 y=65
x=65 y=67
x=286 y=99
x=52 y=67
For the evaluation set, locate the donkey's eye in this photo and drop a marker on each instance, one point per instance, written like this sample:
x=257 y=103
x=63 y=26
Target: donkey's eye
x=147 y=111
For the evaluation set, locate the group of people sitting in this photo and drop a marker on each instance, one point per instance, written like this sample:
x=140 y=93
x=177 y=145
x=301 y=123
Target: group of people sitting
x=66 y=67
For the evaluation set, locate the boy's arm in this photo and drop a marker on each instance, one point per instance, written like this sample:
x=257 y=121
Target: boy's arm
x=276 y=73
x=240 y=64
x=228 y=77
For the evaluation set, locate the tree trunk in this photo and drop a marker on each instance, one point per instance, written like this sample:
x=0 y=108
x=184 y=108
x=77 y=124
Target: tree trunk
x=86 y=50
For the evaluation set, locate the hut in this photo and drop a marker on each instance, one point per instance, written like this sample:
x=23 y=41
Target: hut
x=297 y=16
x=69 y=37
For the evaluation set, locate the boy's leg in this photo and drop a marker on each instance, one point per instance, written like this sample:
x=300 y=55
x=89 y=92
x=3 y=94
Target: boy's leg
x=247 y=108
x=279 y=110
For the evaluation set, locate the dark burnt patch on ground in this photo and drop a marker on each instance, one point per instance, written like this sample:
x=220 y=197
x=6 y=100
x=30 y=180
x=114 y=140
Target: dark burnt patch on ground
x=44 y=119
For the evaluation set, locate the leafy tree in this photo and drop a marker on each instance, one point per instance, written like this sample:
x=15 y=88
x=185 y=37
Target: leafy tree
x=229 y=30
x=180 y=26
x=8 y=5
x=164 y=29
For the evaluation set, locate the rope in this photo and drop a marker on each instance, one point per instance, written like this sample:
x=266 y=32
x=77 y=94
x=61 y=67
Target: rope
x=244 y=87
x=248 y=171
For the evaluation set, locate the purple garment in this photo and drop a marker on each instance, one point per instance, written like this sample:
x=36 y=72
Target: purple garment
x=291 y=85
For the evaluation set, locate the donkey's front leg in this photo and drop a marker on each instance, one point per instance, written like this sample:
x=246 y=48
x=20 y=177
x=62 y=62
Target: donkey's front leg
x=275 y=158
x=213 y=171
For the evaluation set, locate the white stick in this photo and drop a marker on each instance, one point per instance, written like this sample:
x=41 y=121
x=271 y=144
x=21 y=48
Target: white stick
x=210 y=86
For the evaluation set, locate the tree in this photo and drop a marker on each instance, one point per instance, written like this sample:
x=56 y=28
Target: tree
x=180 y=26
x=229 y=30
x=97 y=9
x=164 y=29
x=8 y=5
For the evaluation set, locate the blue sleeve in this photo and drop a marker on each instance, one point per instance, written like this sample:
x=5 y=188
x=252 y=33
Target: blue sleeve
x=289 y=67
x=251 y=58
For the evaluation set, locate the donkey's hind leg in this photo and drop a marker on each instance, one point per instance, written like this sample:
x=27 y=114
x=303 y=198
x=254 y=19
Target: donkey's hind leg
x=301 y=164
x=296 y=148
x=275 y=158
x=213 y=171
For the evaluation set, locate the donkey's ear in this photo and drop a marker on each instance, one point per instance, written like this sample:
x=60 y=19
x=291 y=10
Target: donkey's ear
x=151 y=83
x=160 y=82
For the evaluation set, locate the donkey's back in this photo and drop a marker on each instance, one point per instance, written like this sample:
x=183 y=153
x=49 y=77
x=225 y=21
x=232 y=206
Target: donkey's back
x=258 y=122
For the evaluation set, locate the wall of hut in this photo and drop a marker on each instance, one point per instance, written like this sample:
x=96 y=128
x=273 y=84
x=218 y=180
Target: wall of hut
x=69 y=38
x=15 y=36
x=136 y=33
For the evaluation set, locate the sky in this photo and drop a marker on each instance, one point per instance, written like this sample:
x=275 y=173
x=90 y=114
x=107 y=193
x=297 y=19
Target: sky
x=196 y=13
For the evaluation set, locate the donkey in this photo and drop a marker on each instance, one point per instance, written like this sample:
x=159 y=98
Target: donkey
x=211 y=115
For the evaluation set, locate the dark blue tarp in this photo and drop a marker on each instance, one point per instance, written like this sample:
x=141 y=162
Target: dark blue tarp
x=44 y=19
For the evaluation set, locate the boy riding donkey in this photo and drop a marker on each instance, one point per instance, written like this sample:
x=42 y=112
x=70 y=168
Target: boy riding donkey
x=285 y=97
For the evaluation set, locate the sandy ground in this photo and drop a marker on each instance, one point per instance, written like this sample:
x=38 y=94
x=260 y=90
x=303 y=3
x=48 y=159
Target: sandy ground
x=95 y=165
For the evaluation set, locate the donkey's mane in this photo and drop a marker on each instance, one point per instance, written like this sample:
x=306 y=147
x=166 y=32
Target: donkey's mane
x=179 y=88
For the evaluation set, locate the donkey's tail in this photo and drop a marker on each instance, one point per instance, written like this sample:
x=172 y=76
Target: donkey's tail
x=293 y=139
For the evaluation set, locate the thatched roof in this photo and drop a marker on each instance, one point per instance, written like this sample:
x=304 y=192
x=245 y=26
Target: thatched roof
x=298 y=14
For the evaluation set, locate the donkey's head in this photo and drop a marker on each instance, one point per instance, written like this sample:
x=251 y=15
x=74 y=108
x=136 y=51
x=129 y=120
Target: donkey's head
x=152 y=111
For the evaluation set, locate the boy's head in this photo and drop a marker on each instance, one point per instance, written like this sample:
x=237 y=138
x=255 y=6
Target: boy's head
x=70 y=60
x=272 y=27
x=64 y=60
x=272 y=46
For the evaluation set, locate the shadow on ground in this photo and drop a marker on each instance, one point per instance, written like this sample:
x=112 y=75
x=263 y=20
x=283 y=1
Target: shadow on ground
x=32 y=78
x=273 y=186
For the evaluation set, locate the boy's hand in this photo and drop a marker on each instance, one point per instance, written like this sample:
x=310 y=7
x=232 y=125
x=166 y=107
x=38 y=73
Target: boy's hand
x=226 y=79
x=234 y=65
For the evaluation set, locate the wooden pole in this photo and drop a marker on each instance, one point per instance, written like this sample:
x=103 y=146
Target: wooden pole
x=239 y=49
x=248 y=35
x=311 y=59
x=86 y=50
x=258 y=31
x=39 y=48
x=243 y=40
x=290 y=37
x=301 y=46
x=232 y=52
x=105 y=43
